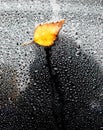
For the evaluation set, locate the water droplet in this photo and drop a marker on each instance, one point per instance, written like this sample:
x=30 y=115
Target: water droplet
x=35 y=83
x=94 y=52
x=76 y=33
x=101 y=127
x=34 y=108
x=55 y=69
x=69 y=57
x=78 y=53
x=32 y=118
x=17 y=43
x=73 y=86
x=100 y=112
x=36 y=71
x=9 y=99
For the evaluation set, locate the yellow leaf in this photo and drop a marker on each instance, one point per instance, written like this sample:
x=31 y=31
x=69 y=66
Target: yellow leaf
x=45 y=34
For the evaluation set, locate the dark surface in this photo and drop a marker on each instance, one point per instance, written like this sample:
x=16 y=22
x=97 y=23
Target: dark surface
x=79 y=83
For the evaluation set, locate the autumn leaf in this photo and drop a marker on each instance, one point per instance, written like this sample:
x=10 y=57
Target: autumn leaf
x=45 y=34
